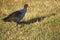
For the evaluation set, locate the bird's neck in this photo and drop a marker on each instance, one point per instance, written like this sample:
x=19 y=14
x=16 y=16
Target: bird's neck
x=25 y=9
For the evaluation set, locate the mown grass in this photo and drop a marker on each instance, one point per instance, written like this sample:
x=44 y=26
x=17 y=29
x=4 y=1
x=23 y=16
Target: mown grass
x=39 y=22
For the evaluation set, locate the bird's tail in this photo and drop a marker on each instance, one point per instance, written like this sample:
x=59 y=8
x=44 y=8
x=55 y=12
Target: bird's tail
x=5 y=19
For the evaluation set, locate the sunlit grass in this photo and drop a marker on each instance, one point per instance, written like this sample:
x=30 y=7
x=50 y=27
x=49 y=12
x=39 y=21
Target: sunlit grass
x=47 y=28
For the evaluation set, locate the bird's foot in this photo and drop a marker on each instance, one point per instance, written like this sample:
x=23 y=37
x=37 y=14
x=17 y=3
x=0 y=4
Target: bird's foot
x=16 y=27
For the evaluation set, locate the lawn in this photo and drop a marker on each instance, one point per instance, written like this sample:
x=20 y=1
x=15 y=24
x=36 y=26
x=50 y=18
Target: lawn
x=41 y=22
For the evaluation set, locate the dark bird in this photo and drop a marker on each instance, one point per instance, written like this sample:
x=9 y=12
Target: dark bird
x=17 y=15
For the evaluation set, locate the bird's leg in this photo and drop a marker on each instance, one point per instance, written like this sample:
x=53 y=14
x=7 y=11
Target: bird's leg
x=17 y=26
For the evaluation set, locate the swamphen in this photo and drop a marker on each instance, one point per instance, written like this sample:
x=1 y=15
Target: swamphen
x=17 y=15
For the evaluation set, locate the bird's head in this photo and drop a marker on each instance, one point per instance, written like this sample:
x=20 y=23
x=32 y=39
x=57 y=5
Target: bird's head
x=26 y=5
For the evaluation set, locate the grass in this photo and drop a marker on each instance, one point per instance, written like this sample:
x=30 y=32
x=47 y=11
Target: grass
x=39 y=23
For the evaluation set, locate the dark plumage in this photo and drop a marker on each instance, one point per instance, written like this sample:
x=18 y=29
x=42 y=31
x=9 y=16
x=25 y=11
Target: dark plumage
x=17 y=15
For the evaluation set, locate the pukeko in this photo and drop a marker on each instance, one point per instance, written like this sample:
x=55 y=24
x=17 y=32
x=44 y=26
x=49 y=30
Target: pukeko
x=17 y=15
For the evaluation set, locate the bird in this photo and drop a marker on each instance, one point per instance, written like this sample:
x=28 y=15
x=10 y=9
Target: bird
x=16 y=16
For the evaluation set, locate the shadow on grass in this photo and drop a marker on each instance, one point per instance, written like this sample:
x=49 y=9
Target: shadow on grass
x=32 y=20
x=39 y=19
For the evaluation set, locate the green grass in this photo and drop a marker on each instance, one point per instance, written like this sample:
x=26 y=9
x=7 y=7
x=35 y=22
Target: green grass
x=38 y=23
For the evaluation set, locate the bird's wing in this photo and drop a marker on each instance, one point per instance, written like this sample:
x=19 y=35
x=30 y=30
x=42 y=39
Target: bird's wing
x=13 y=16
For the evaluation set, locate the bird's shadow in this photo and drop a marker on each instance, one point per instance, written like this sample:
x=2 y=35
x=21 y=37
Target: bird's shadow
x=39 y=19
x=33 y=20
